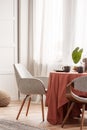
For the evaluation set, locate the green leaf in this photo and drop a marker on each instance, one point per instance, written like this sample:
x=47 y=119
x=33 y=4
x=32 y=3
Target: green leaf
x=76 y=54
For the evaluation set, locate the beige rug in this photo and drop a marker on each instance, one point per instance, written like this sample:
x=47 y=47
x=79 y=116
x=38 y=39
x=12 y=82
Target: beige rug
x=13 y=125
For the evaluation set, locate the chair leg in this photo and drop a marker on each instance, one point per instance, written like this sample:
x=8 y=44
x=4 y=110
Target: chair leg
x=28 y=106
x=82 y=120
x=67 y=115
x=42 y=106
x=68 y=105
x=21 y=107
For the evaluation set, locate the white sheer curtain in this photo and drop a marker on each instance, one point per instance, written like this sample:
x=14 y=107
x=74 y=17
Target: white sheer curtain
x=55 y=28
x=80 y=38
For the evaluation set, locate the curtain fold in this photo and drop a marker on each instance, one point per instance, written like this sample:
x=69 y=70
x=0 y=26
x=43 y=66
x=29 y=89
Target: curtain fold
x=30 y=37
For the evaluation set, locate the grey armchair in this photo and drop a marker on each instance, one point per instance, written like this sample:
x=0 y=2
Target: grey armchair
x=28 y=85
x=80 y=85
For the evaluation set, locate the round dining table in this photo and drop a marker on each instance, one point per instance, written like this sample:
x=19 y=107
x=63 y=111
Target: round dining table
x=56 y=100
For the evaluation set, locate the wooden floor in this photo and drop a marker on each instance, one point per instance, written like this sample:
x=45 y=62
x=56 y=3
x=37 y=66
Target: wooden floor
x=35 y=118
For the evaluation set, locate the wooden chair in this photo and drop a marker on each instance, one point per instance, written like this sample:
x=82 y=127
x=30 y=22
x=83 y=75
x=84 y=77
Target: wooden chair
x=28 y=85
x=78 y=84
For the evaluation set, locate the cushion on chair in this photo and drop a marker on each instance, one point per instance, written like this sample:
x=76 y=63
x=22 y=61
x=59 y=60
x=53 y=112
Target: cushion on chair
x=4 y=99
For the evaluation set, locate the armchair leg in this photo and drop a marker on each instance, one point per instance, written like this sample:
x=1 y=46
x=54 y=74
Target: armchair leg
x=42 y=106
x=28 y=106
x=21 y=107
x=82 y=120
x=67 y=115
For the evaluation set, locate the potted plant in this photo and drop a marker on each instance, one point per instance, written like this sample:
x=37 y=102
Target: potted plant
x=76 y=54
x=76 y=57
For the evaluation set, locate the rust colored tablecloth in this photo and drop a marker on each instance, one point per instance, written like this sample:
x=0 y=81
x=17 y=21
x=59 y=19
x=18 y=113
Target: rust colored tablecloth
x=56 y=99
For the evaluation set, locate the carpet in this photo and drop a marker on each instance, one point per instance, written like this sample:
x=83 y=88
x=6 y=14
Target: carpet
x=15 y=125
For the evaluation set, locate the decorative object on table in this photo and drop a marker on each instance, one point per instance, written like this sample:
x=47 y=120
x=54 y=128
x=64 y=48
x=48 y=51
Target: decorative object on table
x=84 y=60
x=80 y=69
x=4 y=99
x=75 y=68
x=76 y=57
x=66 y=68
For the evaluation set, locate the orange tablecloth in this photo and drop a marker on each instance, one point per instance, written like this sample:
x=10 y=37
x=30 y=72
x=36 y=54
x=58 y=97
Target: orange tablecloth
x=55 y=98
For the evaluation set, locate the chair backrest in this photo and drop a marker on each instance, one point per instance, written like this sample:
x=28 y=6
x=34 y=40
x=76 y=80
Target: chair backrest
x=80 y=83
x=28 y=84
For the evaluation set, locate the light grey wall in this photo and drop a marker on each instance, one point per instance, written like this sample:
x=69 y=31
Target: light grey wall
x=7 y=15
x=8 y=46
x=23 y=23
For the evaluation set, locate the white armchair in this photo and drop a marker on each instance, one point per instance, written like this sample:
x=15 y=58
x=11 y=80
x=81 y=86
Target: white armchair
x=28 y=85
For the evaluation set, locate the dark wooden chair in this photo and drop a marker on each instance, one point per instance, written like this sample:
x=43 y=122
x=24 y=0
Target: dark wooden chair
x=78 y=84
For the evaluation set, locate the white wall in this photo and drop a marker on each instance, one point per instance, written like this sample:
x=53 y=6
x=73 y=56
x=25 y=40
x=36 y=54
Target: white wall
x=8 y=42
x=8 y=45
x=23 y=31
